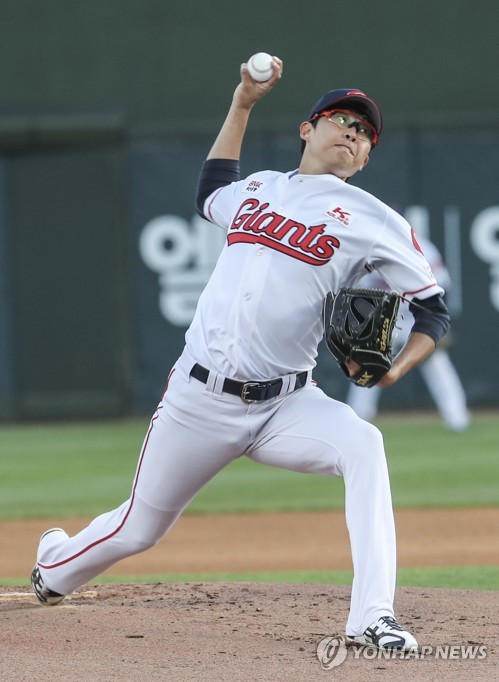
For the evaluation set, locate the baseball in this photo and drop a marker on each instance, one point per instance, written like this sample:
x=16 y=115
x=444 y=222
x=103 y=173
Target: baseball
x=260 y=67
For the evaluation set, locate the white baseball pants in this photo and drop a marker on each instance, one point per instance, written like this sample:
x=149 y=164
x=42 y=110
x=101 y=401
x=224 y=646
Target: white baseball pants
x=196 y=431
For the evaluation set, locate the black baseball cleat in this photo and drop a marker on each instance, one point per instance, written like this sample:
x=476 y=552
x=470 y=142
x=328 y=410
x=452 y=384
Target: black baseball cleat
x=386 y=633
x=43 y=594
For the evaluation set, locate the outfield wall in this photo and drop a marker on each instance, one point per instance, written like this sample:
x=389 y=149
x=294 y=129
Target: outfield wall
x=106 y=112
x=102 y=257
x=159 y=60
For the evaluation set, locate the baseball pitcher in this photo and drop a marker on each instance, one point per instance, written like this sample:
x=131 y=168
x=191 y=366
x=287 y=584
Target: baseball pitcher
x=243 y=383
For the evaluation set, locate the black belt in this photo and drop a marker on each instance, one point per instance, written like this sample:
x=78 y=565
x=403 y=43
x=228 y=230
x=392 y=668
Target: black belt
x=250 y=391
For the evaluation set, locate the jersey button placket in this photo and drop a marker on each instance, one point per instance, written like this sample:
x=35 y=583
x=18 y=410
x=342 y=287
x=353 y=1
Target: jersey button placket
x=252 y=292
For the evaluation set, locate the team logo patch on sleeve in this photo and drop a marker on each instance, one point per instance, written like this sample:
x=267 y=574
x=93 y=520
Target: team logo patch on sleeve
x=340 y=215
x=254 y=187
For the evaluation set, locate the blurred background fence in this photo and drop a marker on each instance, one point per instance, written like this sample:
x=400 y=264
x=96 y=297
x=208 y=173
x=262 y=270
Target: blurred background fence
x=107 y=111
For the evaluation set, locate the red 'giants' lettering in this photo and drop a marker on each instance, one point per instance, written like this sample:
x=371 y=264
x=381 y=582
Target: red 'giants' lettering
x=252 y=224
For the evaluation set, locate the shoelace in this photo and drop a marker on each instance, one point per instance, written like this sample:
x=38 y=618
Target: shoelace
x=390 y=621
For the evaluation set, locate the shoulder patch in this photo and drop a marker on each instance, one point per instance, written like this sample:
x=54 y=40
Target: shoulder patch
x=254 y=186
x=340 y=215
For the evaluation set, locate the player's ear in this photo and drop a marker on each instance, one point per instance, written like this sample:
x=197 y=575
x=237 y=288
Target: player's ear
x=305 y=128
x=365 y=162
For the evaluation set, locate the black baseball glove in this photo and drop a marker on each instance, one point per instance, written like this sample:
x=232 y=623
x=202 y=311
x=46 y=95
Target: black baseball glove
x=358 y=326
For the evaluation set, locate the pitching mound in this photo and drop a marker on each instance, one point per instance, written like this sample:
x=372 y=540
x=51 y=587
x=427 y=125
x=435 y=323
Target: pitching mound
x=237 y=631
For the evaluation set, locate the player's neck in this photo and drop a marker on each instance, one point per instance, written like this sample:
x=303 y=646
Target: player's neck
x=311 y=167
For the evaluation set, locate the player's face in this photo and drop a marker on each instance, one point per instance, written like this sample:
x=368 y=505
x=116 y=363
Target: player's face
x=333 y=149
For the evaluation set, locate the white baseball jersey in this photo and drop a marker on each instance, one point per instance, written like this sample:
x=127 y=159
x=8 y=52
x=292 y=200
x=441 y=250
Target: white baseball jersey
x=292 y=238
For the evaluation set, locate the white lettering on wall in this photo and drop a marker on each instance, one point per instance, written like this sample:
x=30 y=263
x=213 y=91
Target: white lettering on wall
x=484 y=237
x=183 y=255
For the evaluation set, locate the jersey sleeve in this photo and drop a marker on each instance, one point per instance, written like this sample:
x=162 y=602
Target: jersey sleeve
x=215 y=173
x=400 y=261
x=221 y=206
x=218 y=206
x=434 y=258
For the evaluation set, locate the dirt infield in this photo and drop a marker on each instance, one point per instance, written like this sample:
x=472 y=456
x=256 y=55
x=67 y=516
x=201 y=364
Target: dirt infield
x=244 y=631
x=278 y=541
x=236 y=631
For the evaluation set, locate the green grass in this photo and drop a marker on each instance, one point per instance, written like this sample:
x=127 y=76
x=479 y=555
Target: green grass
x=82 y=469
x=66 y=469
x=433 y=467
x=463 y=577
